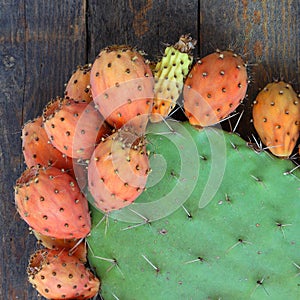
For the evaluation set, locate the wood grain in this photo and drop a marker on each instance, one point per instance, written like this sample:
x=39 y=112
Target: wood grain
x=41 y=43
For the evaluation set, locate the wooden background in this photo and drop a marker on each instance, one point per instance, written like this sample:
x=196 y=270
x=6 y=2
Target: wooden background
x=41 y=43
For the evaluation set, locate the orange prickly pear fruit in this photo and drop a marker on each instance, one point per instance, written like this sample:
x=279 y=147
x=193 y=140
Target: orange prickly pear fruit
x=118 y=170
x=56 y=274
x=74 y=127
x=37 y=148
x=214 y=88
x=276 y=117
x=122 y=87
x=78 y=86
x=51 y=203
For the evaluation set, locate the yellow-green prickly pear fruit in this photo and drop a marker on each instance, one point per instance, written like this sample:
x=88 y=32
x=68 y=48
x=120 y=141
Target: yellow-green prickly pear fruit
x=169 y=74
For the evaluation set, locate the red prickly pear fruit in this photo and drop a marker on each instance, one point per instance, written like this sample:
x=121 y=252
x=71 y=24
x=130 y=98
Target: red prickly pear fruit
x=52 y=204
x=56 y=274
x=122 y=87
x=214 y=88
x=75 y=246
x=118 y=170
x=74 y=127
x=37 y=148
x=276 y=117
x=78 y=86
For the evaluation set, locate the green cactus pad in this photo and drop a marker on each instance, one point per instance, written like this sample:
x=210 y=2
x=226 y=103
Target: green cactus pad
x=232 y=233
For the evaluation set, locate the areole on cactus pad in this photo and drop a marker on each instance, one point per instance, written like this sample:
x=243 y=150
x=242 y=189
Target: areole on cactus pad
x=243 y=245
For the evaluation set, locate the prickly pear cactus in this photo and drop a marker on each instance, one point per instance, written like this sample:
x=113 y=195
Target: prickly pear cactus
x=218 y=221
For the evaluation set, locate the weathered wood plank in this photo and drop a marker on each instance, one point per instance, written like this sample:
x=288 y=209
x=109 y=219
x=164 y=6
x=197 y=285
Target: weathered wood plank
x=41 y=43
x=145 y=24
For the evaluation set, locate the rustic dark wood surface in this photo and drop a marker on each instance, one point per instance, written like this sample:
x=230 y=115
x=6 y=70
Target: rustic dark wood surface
x=41 y=43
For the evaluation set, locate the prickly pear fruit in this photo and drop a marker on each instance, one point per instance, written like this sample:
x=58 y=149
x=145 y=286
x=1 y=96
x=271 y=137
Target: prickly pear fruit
x=78 y=86
x=214 y=88
x=276 y=117
x=74 y=127
x=169 y=75
x=122 y=87
x=37 y=148
x=118 y=170
x=51 y=202
x=75 y=246
x=56 y=274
